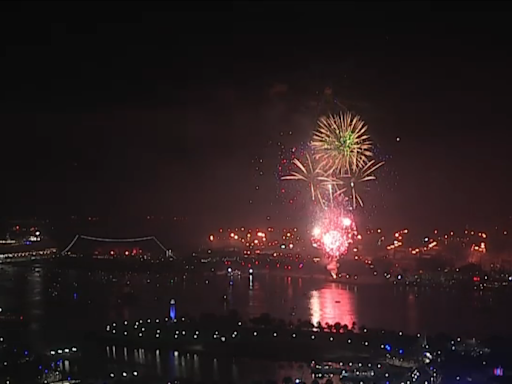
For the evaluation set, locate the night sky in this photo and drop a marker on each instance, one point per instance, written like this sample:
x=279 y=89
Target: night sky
x=114 y=111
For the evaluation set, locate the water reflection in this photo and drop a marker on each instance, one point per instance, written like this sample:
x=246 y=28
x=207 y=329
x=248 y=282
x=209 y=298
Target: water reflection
x=332 y=304
x=197 y=373
x=215 y=370
x=257 y=301
x=234 y=373
x=290 y=288
x=179 y=365
x=35 y=297
x=58 y=306
x=412 y=313
x=158 y=363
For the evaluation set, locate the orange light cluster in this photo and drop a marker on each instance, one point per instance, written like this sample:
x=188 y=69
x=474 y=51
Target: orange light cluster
x=257 y=238
x=395 y=244
x=479 y=248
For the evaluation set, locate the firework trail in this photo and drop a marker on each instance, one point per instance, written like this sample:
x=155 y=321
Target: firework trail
x=318 y=180
x=361 y=176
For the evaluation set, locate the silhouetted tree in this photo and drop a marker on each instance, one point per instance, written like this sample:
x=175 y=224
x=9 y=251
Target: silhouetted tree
x=263 y=320
x=208 y=320
x=306 y=325
x=280 y=324
x=255 y=321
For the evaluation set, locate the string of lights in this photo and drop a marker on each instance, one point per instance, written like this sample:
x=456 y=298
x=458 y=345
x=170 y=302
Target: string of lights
x=117 y=240
x=168 y=252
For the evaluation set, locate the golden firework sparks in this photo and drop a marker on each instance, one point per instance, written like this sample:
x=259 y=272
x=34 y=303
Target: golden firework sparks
x=341 y=143
x=317 y=179
x=361 y=176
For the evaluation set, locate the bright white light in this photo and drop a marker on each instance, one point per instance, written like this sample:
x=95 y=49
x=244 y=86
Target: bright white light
x=230 y=270
x=346 y=221
x=316 y=232
x=332 y=241
x=251 y=271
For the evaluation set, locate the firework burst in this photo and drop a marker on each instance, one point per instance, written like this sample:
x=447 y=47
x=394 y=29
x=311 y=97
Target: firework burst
x=320 y=184
x=359 y=177
x=341 y=142
x=333 y=232
x=339 y=158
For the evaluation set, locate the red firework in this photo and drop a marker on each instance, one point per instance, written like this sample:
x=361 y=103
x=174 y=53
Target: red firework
x=334 y=232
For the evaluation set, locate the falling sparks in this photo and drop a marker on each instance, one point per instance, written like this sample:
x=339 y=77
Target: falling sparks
x=333 y=233
x=317 y=179
x=359 y=177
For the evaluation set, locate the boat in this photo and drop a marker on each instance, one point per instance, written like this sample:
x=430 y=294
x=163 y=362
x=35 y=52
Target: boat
x=26 y=247
x=7 y=317
x=10 y=317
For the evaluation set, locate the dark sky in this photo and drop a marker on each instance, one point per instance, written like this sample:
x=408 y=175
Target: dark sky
x=117 y=111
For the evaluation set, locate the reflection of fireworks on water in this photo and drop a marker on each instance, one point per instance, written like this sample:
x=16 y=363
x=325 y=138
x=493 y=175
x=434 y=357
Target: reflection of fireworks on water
x=333 y=234
x=332 y=304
